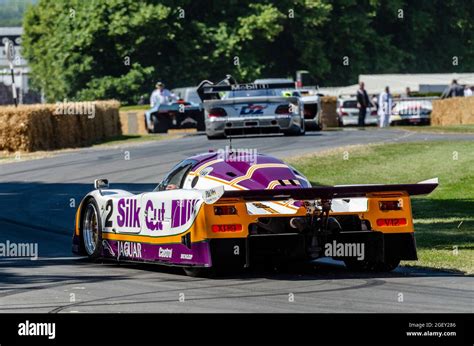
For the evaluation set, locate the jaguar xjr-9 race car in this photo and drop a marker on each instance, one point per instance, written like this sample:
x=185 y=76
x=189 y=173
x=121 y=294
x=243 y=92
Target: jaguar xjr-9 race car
x=214 y=212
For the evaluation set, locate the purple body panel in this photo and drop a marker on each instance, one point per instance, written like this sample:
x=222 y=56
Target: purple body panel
x=229 y=170
x=177 y=254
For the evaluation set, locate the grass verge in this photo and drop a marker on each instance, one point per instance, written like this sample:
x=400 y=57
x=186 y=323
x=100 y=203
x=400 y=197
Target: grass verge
x=444 y=220
x=134 y=108
x=461 y=129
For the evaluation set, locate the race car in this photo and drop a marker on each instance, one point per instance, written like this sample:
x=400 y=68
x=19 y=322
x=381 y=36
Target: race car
x=252 y=108
x=177 y=115
x=412 y=111
x=219 y=211
x=311 y=107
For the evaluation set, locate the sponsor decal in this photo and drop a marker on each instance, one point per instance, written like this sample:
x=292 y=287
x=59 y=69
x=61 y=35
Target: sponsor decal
x=182 y=210
x=249 y=86
x=186 y=256
x=28 y=328
x=154 y=217
x=128 y=213
x=252 y=109
x=106 y=246
x=336 y=249
x=165 y=253
x=129 y=249
x=206 y=171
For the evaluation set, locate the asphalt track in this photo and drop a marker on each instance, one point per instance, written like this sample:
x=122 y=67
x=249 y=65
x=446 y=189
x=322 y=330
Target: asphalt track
x=37 y=204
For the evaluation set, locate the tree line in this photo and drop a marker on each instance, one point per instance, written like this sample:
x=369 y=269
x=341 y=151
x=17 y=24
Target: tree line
x=101 y=49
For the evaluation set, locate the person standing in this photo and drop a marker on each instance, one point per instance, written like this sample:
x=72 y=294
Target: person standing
x=385 y=107
x=161 y=96
x=454 y=90
x=467 y=91
x=363 y=103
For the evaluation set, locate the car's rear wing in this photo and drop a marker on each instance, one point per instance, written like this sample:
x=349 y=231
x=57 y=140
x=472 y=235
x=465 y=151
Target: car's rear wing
x=330 y=192
x=210 y=91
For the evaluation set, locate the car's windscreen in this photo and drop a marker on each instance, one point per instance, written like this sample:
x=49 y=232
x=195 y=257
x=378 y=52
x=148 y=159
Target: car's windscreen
x=252 y=93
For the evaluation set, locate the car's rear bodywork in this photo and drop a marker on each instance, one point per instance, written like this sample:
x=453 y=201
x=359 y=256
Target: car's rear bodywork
x=241 y=109
x=412 y=111
x=178 y=115
x=234 y=213
x=348 y=112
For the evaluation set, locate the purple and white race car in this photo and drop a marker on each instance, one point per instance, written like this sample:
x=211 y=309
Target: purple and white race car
x=232 y=209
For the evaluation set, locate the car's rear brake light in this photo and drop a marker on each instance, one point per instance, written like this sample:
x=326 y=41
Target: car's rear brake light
x=390 y=205
x=283 y=109
x=225 y=210
x=391 y=222
x=217 y=112
x=373 y=113
x=344 y=114
x=226 y=228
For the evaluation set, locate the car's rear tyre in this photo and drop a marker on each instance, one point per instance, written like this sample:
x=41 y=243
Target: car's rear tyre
x=201 y=125
x=372 y=266
x=92 y=229
x=147 y=127
x=295 y=131
x=199 y=272
x=215 y=137
x=159 y=126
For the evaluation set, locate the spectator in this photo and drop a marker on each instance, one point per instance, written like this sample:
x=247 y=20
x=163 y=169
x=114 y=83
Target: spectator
x=467 y=91
x=375 y=102
x=362 y=102
x=454 y=90
x=385 y=108
x=407 y=93
x=161 y=96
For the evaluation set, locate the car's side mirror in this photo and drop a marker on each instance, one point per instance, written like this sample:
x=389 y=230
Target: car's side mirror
x=101 y=184
x=160 y=187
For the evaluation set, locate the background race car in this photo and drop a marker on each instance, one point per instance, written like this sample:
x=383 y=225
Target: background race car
x=411 y=111
x=178 y=115
x=348 y=112
x=254 y=108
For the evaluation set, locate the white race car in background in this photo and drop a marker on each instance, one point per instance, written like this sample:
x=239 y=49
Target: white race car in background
x=348 y=112
x=253 y=108
x=411 y=111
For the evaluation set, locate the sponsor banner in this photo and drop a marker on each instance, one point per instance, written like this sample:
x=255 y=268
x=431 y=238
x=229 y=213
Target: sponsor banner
x=179 y=254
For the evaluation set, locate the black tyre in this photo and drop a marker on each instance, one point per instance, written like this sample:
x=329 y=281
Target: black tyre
x=371 y=266
x=159 y=125
x=216 y=137
x=295 y=131
x=201 y=125
x=199 y=272
x=146 y=126
x=91 y=229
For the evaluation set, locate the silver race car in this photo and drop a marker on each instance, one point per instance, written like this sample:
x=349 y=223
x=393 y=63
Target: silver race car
x=253 y=108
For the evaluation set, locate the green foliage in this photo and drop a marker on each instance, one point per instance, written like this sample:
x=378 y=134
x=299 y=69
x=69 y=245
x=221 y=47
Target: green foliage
x=79 y=49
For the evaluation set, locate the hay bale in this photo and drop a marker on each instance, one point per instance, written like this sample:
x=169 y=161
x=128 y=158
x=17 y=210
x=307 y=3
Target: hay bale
x=55 y=126
x=453 y=111
x=329 y=111
x=133 y=122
